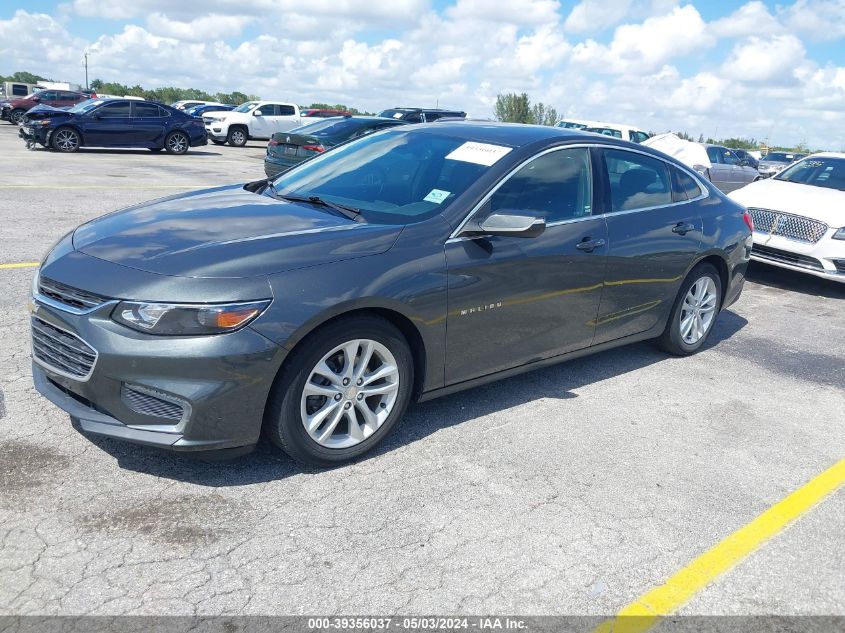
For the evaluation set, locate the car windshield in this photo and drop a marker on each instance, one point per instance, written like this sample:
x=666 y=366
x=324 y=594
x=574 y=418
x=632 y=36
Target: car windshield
x=393 y=114
x=246 y=107
x=780 y=157
x=333 y=127
x=393 y=177
x=85 y=106
x=818 y=171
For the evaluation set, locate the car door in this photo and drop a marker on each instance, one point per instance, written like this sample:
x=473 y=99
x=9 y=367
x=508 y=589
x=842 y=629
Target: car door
x=513 y=300
x=719 y=172
x=108 y=125
x=654 y=234
x=48 y=98
x=738 y=176
x=263 y=121
x=146 y=124
x=285 y=118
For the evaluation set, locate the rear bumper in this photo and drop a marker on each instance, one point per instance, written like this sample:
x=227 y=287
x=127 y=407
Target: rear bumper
x=274 y=166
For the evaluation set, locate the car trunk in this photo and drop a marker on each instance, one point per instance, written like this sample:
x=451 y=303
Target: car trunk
x=294 y=146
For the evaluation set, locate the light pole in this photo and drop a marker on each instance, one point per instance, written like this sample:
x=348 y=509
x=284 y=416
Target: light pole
x=86 y=70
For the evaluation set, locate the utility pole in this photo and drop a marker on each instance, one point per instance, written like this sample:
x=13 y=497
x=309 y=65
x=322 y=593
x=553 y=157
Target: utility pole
x=86 y=70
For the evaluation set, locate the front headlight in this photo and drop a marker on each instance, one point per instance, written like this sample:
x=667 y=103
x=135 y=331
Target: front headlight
x=840 y=234
x=168 y=319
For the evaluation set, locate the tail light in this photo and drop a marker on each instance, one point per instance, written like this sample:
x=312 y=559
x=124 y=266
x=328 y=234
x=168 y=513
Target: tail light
x=273 y=142
x=314 y=148
x=749 y=221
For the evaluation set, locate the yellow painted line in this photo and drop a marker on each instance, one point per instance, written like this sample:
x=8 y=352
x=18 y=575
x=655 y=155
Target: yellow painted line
x=21 y=265
x=645 y=612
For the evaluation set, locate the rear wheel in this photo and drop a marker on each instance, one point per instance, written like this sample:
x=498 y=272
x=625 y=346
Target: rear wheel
x=176 y=143
x=237 y=137
x=694 y=312
x=66 y=140
x=346 y=386
x=16 y=116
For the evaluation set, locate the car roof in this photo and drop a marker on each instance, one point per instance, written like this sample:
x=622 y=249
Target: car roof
x=512 y=134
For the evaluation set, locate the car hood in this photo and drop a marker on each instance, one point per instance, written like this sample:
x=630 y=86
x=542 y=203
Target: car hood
x=228 y=232
x=44 y=111
x=819 y=203
x=772 y=163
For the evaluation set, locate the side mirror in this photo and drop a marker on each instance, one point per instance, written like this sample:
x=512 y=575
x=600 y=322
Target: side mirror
x=36 y=99
x=510 y=225
x=257 y=112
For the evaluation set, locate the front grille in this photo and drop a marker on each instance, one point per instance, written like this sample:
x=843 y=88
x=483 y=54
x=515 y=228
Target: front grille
x=787 y=257
x=792 y=227
x=62 y=352
x=72 y=297
x=147 y=404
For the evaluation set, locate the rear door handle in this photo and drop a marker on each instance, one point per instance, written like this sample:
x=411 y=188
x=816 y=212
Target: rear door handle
x=682 y=228
x=589 y=245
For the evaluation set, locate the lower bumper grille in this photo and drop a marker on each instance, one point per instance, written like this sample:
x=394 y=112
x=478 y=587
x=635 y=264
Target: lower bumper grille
x=61 y=351
x=775 y=254
x=148 y=404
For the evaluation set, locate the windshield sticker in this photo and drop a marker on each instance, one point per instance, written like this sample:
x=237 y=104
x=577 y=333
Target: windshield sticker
x=437 y=196
x=397 y=115
x=479 y=153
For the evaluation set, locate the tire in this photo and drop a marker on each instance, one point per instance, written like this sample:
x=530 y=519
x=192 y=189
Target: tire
x=177 y=142
x=332 y=440
x=16 y=116
x=694 y=312
x=237 y=136
x=65 y=140
x=216 y=142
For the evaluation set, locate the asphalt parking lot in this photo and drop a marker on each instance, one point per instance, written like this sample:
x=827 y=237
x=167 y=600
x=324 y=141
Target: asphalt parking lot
x=570 y=490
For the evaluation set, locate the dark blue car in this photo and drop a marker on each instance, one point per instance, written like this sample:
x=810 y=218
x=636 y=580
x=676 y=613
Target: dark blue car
x=113 y=123
x=210 y=107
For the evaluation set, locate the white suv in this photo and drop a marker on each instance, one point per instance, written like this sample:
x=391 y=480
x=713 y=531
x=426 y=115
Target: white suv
x=253 y=119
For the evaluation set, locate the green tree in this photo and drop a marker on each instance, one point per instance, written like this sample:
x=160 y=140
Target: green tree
x=24 y=77
x=514 y=108
x=543 y=114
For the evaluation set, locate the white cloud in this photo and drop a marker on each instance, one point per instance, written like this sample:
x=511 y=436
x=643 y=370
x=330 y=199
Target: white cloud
x=642 y=48
x=773 y=60
x=752 y=18
x=822 y=20
x=518 y=12
x=206 y=27
x=592 y=16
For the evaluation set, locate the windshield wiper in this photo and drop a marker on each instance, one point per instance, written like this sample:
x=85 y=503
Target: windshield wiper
x=348 y=212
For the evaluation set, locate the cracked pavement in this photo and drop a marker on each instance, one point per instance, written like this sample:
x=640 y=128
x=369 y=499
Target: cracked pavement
x=569 y=490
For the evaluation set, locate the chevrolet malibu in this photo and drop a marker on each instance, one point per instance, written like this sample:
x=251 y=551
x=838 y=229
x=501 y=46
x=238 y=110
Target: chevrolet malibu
x=405 y=265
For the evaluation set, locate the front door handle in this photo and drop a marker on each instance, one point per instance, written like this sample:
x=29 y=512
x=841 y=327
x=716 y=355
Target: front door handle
x=682 y=228
x=589 y=245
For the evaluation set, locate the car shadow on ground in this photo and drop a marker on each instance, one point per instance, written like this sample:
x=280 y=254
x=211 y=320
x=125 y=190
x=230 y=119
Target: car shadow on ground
x=267 y=463
x=794 y=281
x=127 y=152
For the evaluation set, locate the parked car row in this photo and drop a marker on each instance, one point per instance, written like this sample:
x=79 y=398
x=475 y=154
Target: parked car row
x=13 y=110
x=615 y=130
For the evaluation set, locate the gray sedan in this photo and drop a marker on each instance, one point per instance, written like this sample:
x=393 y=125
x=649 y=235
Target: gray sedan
x=729 y=171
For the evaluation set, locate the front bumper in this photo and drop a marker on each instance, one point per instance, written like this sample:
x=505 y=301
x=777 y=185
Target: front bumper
x=216 y=133
x=34 y=134
x=824 y=259
x=221 y=383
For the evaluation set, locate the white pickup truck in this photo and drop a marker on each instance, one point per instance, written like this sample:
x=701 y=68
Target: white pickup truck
x=253 y=119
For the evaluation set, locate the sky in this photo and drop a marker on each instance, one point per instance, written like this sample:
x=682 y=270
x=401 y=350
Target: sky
x=766 y=70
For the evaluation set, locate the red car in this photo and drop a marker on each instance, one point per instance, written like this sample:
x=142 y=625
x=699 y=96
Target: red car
x=321 y=113
x=14 y=110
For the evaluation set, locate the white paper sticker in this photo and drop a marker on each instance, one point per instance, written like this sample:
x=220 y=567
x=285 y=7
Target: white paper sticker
x=397 y=115
x=479 y=153
x=437 y=196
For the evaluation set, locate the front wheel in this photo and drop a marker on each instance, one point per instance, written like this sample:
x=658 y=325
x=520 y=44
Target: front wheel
x=16 y=116
x=176 y=143
x=66 y=140
x=345 y=387
x=237 y=137
x=694 y=312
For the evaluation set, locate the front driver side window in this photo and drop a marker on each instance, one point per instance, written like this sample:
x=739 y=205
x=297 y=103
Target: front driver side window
x=556 y=186
x=715 y=155
x=637 y=181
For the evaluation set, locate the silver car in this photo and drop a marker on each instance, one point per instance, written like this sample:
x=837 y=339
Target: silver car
x=773 y=162
x=728 y=171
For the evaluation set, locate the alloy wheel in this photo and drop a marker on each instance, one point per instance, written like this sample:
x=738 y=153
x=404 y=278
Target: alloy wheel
x=350 y=393
x=238 y=137
x=177 y=143
x=16 y=117
x=66 y=140
x=698 y=310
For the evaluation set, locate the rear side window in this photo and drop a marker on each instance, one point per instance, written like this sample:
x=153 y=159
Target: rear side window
x=637 y=181
x=638 y=137
x=148 y=110
x=715 y=155
x=556 y=186
x=114 y=110
x=286 y=110
x=684 y=186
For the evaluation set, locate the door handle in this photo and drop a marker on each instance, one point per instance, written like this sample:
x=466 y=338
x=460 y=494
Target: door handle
x=589 y=245
x=682 y=228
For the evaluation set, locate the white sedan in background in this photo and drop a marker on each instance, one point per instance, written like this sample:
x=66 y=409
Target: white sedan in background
x=799 y=216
